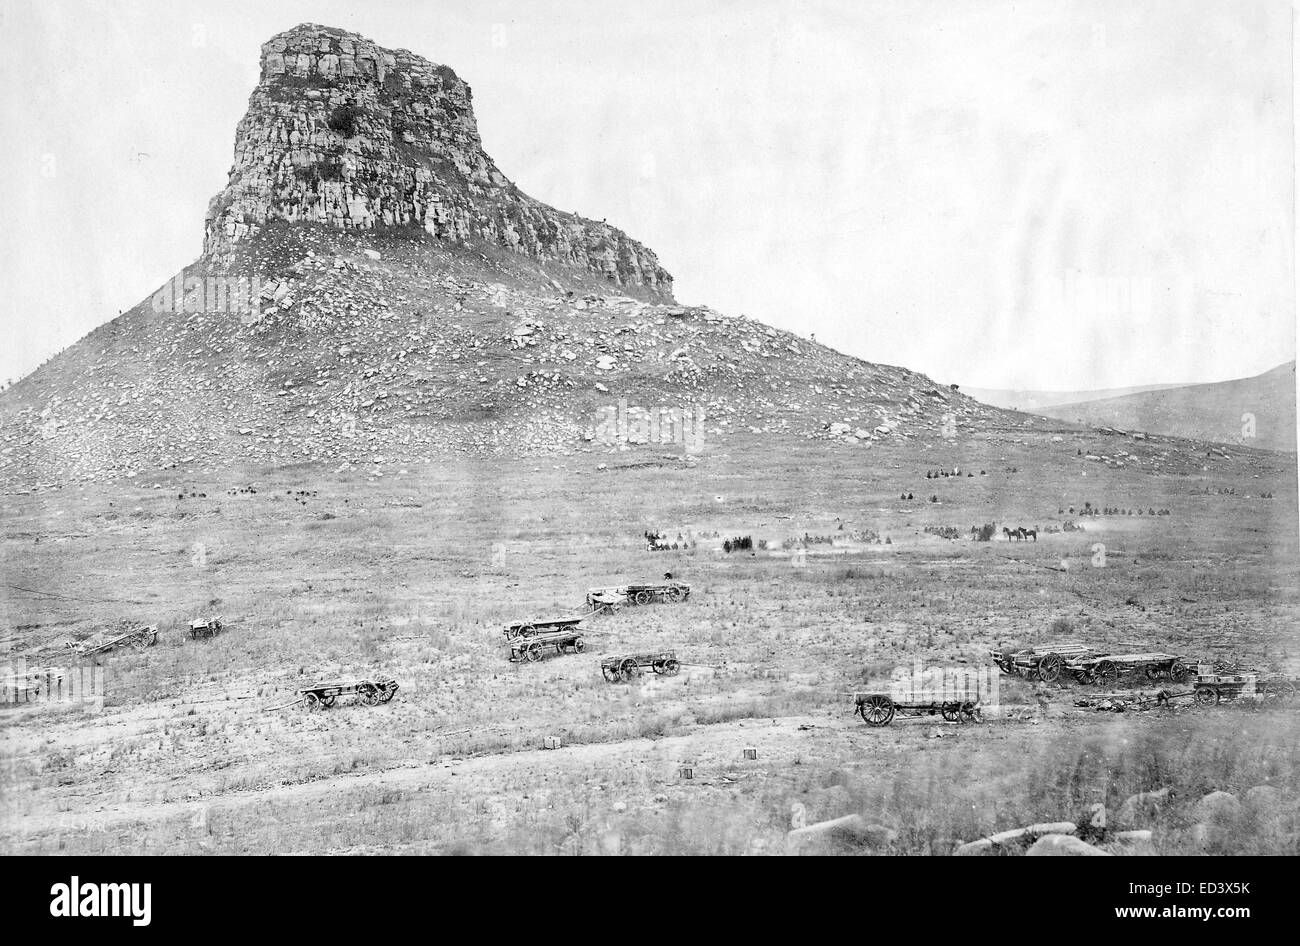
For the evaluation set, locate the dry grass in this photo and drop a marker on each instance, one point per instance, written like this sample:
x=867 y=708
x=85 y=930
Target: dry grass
x=419 y=591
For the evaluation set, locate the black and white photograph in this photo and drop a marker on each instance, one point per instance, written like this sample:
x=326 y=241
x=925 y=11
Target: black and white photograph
x=572 y=428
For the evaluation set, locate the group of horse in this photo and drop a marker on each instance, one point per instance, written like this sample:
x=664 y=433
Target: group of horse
x=658 y=542
x=1020 y=534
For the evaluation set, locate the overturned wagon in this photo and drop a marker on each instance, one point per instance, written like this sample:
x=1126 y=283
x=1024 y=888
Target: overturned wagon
x=534 y=646
x=606 y=600
x=367 y=692
x=205 y=627
x=1041 y=663
x=879 y=709
x=1108 y=668
x=629 y=666
x=137 y=637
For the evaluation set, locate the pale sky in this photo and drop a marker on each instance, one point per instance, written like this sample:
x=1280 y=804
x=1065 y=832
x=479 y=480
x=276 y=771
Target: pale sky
x=1041 y=195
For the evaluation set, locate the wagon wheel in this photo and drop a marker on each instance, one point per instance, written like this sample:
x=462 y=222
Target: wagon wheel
x=1153 y=672
x=657 y=666
x=1284 y=691
x=1084 y=675
x=142 y=640
x=642 y=597
x=311 y=701
x=970 y=711
x=1206 y=695
x=1178 y=671
x=579 y=645
x=1107 y=671
x=877 y=710
x=609 y=673
x=532 y=651
x=525 y=630
x=327 y=701
x=387 y=694
x=1049 y=668
x=672 y=666
x=675 y=595
x=951 y=712
x=629 y=669
x=368 y=694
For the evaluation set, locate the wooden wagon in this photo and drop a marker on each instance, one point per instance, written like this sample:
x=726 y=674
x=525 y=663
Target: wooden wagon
x=1216 y=684
x=536 y=626
x=367 y=692
x=534 y=646
x=1041 y=663
x=673 y=591
x=879 y=709
x=629 y=666
x=205 y=627
x=1108 y=668
x=138 y=637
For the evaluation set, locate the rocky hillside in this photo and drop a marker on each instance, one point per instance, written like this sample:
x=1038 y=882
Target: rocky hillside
x=1252 y=412
x=417 y=307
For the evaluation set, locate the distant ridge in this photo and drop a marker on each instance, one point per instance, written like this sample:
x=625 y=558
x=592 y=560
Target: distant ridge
x=1254 y=412
x=1015 y=399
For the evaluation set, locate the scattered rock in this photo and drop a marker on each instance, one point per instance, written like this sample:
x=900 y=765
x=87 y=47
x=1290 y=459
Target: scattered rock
x=1064 y=845
x=1218 y=807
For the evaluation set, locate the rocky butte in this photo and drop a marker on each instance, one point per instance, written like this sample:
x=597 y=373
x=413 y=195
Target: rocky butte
x=343 y=132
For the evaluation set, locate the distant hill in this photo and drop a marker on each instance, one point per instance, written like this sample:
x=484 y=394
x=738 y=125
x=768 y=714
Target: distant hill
x=1214 y=412
x=1035 y=401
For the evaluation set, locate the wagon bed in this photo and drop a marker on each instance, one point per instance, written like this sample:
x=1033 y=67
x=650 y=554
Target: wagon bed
x=536 y=626
x=629 y=666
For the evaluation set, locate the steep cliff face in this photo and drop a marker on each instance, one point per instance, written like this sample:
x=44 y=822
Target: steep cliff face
x=343 y=132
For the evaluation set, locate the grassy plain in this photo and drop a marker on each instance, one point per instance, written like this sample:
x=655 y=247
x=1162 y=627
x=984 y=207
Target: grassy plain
x=324 y=574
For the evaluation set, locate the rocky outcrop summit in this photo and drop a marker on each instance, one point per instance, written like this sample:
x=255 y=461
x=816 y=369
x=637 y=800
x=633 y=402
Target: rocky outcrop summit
x=343 y=132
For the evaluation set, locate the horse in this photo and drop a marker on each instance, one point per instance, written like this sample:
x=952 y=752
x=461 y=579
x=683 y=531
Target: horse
x=1026 y=533
x=1011 y=534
